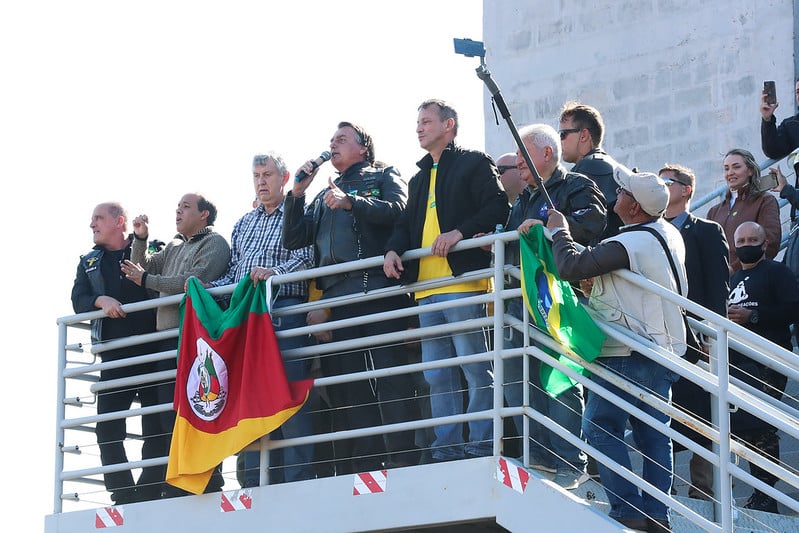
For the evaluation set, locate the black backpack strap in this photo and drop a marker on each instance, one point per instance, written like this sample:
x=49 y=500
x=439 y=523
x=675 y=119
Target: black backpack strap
x=662 y=241
x=694 y=347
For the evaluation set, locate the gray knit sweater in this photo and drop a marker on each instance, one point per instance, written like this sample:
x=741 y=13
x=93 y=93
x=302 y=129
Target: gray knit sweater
x=205 y=256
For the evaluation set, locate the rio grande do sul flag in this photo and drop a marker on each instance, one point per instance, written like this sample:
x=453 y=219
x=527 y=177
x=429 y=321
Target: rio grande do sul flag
x=554 y=308
x=231 y=386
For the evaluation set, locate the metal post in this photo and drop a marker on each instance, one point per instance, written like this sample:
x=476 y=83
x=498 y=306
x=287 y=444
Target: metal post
x=499 y=367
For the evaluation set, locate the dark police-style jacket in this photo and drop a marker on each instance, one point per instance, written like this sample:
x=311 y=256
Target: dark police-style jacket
x=90 y=283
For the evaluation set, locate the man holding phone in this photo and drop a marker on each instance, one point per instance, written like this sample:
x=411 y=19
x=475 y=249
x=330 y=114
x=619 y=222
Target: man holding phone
x=777 y=141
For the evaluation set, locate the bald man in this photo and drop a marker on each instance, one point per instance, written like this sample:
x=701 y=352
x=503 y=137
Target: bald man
x=510 y=176
x=764 y=299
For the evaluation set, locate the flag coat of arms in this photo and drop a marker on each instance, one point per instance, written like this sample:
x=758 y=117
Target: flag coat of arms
x=555 y=309
x=231 y=387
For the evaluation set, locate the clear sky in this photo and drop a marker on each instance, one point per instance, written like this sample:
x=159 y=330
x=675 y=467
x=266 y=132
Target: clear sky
x=142 y=102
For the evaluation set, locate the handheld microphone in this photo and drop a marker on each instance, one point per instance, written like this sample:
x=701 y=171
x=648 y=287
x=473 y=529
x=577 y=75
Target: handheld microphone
x=324 y=156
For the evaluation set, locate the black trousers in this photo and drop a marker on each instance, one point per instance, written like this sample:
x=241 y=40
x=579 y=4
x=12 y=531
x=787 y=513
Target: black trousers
x=373 y=402
x=156 y=428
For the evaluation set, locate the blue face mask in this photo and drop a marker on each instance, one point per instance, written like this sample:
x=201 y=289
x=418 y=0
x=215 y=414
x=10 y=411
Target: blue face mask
x=749 y=254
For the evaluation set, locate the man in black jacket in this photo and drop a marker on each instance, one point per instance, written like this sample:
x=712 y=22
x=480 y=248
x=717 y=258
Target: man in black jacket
x=778 y=141
x=574 y=195
x=583 y=205
x=764 y=298
x=707 y=268
x=455 y=195
x=351 y=220
x=706 y=247
x=100 y=284
x=581 y=132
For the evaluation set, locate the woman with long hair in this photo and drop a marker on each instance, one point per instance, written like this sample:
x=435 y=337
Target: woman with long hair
x=744 y=203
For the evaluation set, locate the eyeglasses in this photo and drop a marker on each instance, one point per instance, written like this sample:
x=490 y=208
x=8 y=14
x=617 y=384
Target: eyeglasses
x=504 y=168
x=670 y=182
x=620 y=191
x=566 y=132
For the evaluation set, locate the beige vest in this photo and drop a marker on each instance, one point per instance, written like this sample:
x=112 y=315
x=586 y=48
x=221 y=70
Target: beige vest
x=649 y=315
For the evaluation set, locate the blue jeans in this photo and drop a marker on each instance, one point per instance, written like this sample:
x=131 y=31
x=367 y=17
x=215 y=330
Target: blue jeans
x=604 y=426
x=296 y=462
x=566 y=409
x=446 y=388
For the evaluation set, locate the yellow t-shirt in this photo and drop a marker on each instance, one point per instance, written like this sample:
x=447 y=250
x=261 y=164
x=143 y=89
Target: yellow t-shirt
x=433 y=266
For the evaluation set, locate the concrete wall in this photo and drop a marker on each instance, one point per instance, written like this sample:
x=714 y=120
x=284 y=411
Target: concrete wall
x=675 y=80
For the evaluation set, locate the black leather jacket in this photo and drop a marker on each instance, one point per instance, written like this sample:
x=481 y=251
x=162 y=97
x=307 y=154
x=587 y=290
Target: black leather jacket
x=600 y=167
x=378 y=195
x=777 y=142
x=574 y=195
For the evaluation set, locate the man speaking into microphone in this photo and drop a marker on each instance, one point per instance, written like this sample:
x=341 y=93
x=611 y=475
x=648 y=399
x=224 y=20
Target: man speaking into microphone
x=350 y=220
x=324 y=156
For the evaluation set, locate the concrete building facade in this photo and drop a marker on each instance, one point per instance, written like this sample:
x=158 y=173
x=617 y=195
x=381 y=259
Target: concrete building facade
x=676 y=81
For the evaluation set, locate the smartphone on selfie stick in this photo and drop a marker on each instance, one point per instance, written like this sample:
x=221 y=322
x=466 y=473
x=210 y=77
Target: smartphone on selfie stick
x=471 y=48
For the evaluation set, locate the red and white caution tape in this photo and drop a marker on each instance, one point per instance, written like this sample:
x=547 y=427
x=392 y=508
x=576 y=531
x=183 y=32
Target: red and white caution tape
x=369 y=482
x=236 y=500
x=512 y=476
x=108 y=517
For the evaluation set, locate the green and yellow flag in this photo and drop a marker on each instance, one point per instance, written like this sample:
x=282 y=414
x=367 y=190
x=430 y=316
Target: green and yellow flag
x=554 y=308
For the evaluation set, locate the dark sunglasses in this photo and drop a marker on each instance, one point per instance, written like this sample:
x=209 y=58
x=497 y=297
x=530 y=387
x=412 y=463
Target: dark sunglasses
x=669 y=182
x=566 y=132
x=504 y=168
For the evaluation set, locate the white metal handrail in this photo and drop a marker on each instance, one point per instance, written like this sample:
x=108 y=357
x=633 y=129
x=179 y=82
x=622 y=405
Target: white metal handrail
x=716 y=381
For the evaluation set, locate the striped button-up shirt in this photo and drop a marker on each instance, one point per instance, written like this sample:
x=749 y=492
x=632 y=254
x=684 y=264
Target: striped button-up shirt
x=256 y=241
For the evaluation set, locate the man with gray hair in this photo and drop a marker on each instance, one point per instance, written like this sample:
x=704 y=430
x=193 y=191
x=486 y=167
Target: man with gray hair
x=257 y=252
x=584 y=206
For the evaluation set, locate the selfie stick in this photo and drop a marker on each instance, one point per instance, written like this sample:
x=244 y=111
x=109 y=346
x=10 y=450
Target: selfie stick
x=471 y=48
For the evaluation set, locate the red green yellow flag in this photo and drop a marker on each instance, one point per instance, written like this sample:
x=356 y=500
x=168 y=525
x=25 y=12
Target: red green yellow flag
x=231 y=387
x=555 y=309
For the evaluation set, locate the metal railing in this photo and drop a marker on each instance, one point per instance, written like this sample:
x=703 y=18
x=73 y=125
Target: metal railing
x=77 y=382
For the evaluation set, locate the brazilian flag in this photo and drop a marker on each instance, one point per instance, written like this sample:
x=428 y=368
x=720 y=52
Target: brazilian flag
x=554 y=308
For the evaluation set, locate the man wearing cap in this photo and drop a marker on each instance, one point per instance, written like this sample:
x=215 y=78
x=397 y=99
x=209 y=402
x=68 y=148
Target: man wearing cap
x=707 y=267
x=642 y=199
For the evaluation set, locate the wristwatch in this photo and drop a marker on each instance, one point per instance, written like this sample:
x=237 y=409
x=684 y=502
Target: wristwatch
x=754 y=318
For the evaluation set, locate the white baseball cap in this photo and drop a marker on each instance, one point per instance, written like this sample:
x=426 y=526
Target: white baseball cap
x=649 y=190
